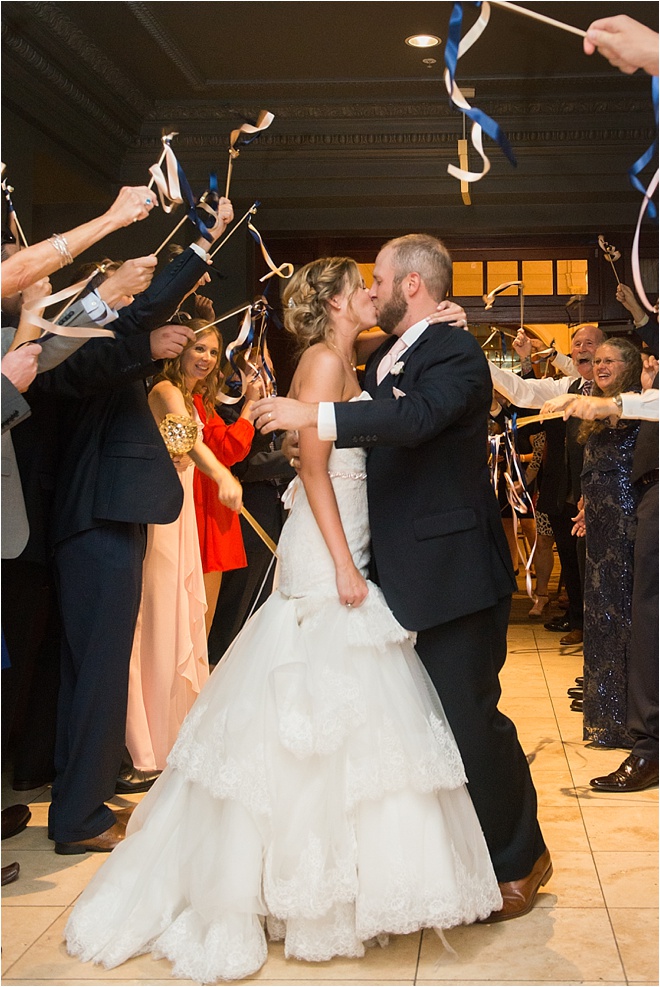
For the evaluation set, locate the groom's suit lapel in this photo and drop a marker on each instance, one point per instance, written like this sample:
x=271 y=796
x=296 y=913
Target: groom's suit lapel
x=384 y=389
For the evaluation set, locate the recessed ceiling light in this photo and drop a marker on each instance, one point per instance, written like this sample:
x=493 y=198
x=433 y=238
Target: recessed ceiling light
x=423 y=40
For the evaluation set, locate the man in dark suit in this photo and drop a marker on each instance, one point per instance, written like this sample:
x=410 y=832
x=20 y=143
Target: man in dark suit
x=438 y=545
x=114 y=476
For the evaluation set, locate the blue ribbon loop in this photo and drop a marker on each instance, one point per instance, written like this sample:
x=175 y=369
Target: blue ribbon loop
x=487 y=124
x=648 y=155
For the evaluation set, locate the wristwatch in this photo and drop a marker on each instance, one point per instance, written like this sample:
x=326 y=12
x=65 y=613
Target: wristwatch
x=619 y=403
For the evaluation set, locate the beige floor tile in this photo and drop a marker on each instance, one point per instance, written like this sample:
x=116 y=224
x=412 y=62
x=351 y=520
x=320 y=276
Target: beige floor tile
x=563 y=828
x=574 y=883
x=47 y=878
x=519 y=706
x=634 y=932
x=618 y=828
x=21 y=927
x=546 y=945
x=533 y=730
x=629 y=880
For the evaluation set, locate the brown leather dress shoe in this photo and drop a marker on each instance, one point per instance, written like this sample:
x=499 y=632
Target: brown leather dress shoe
x=573 y=637
x=14 y=820
x=519 y=896
x=10 y=873
x=634 y=775
x=103 y=843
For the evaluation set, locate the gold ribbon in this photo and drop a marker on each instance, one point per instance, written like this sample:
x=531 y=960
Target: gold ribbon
x=263 y=121
x=279 y=271
x=73 y=332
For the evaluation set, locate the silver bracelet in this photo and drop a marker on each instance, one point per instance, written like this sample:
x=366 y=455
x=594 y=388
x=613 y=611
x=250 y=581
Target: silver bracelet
x=62 y=247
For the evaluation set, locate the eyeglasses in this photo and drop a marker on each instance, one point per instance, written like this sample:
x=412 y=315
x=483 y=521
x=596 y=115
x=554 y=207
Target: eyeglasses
x=607 y=362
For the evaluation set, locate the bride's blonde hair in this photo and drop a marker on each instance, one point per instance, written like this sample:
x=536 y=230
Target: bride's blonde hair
x=306 y=296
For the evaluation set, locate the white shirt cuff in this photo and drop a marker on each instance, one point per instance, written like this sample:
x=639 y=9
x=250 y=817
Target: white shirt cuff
x=644 y=405
x=97 y=309
x=327 y=422
x=200 y=251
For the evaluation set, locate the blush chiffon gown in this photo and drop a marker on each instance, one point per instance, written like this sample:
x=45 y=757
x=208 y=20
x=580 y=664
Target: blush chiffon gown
x=315 y=793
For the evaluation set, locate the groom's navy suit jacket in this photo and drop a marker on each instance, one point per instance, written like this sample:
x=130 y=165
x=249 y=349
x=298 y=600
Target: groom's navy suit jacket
x=437 y=539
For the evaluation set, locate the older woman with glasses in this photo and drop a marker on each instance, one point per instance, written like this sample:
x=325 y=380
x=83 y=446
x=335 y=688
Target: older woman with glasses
x=608 y=522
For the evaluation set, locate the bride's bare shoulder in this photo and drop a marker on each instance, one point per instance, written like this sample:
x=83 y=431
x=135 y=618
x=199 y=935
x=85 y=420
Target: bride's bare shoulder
x=318 y=366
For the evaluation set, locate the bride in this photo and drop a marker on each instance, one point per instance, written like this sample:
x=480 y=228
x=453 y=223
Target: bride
x=315 y=793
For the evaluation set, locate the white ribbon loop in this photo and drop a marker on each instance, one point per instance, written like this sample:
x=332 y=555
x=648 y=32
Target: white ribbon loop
x=637 y=274
x=460 y=101
x=73 y=332
x=169 y=189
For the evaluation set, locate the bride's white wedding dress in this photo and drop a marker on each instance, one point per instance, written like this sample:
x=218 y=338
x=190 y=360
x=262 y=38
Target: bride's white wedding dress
x=314 y=793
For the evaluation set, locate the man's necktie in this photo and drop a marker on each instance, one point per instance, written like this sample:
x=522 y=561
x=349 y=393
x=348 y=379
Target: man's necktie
x=586 y=387
x=389 y=360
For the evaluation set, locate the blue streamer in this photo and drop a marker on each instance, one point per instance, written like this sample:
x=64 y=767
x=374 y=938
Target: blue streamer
x=648 y=155
x=487 y=124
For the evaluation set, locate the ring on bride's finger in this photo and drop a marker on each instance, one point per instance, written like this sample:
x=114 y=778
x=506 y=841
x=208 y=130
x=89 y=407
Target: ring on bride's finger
x=292 y=461
x=349 y=604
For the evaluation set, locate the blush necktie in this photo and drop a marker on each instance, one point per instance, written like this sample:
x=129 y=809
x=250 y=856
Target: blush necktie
x=389 y=360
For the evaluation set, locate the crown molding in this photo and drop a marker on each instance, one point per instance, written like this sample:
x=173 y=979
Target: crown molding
x=166 y=43
x=85 y=51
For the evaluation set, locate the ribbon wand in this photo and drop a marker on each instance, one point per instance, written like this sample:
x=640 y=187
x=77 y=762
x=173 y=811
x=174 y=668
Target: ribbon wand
x=264 y=120
x=251 y=212
x=539 y=17
x=611 y=254
x=8 y=189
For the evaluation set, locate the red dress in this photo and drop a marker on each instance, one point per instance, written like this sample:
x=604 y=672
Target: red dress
x=220 y=537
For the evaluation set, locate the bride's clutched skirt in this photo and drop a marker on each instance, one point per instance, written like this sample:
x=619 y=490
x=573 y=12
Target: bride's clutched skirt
x=314 y=790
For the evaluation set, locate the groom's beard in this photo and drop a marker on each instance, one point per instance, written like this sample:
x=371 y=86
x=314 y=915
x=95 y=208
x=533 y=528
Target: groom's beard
x=393 y=311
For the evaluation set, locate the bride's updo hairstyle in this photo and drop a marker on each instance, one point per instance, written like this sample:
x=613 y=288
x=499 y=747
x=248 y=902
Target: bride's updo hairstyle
x=306 y=296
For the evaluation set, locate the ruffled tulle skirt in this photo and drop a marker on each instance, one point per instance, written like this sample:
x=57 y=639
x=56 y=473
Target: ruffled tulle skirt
x=315 y=794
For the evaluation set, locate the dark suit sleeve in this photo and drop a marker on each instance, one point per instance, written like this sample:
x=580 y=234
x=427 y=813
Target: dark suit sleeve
x=100 y=365
x=156 y=306
x=649 y=335
x=451 y=381
x=14 y=406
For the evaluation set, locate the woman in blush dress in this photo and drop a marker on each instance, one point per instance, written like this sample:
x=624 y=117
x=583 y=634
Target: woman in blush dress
x=315 y=793
x=609 y=522
x=169 y=661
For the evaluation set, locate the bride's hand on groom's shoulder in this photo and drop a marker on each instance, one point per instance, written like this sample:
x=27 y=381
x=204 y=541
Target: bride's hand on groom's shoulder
x=450 y=312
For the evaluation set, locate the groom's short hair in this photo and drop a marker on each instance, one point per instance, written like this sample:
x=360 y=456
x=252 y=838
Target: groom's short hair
x=424 y=255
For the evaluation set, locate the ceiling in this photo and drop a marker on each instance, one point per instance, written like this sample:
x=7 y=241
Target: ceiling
x=363 y=129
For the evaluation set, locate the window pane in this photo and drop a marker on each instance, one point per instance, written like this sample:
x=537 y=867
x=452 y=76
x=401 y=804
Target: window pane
x=500 y=271
x=537 y=277
x=572 y=277
x=468 y=278
x=367 y=272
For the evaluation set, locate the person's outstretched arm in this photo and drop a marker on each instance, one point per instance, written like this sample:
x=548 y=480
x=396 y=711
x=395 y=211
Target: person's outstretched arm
x=41 y=259
x=624 y=42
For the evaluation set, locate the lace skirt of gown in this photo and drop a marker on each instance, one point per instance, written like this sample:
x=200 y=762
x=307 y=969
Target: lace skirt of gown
x=315 y=793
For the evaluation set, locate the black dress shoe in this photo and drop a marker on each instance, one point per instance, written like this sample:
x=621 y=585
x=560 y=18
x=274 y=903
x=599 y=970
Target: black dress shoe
x=10 y=873
x=634 y=775
x=28 y=784
x=575 y=693
x=560 y=624
x=14 y=820
x=576 y=705
x=133 y=781
x=580 y=681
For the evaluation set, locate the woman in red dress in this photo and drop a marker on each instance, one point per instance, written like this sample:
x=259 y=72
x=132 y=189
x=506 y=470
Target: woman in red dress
x=220 y=537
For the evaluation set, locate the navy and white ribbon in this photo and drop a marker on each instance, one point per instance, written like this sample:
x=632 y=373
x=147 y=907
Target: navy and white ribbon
x=455 y=48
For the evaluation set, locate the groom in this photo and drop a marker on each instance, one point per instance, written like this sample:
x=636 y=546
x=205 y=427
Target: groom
x=438 y=545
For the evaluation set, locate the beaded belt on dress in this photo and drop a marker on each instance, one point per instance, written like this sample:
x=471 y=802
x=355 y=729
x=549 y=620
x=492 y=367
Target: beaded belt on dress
x=340 y=474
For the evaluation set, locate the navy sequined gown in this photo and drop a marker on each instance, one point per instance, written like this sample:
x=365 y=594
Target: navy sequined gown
x=610 y=503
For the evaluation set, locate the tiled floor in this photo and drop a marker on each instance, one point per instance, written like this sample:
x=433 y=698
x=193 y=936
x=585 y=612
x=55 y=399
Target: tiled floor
x=594 y=923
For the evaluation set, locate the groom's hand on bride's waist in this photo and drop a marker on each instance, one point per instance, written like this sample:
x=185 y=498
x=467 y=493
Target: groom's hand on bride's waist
x=284 y=415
